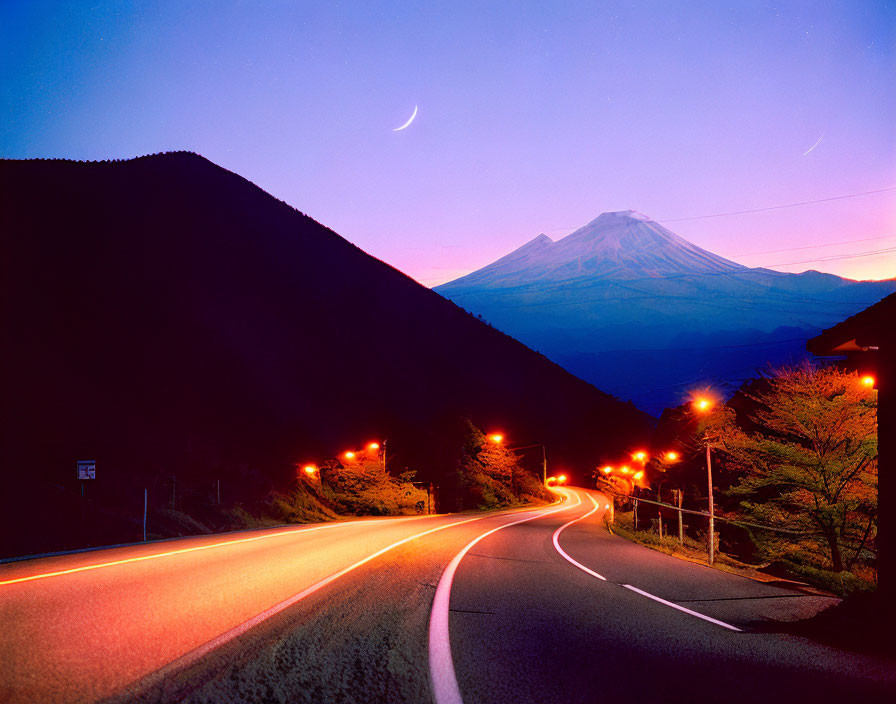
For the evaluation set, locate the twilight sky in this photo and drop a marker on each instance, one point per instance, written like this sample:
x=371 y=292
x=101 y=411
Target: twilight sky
x=533 y=116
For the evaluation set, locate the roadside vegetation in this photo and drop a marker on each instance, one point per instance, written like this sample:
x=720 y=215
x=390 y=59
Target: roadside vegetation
x=490 y=475
x=794 y=459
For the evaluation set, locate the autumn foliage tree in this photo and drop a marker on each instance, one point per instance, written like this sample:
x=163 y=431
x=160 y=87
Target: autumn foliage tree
x=490 y=474
x=810 y=465
x=362 y=486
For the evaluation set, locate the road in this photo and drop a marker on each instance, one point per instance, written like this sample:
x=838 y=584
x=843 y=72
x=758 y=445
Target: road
x=535 y=605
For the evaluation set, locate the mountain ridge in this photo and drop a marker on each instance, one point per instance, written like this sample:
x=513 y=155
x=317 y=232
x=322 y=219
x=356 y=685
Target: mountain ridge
x=624 y=281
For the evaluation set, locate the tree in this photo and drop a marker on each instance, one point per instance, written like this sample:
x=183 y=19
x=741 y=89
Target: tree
x=810 y=465
x=491 y=475
x=363 y=486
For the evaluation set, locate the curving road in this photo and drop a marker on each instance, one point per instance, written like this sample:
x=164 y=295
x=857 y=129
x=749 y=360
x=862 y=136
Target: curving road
x=537 y=605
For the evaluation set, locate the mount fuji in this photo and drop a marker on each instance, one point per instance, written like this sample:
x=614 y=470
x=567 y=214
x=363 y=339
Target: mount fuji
x=633 y=308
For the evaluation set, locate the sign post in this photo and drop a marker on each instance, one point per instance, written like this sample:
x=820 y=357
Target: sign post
x=86 y=470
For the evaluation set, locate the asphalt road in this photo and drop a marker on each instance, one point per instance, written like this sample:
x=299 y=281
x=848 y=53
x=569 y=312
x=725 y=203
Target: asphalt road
x=497 y=607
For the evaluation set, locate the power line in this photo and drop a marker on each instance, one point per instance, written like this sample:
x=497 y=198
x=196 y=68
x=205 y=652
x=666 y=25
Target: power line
x=814 y=246
x=888 y=250
x=780 y=207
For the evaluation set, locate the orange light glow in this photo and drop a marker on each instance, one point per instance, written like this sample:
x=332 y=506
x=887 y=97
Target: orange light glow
x=373 y=446
x=496 y=437
x=640 y=456
x=702 y=404
x=310 y=469
x=607 y=470
x=626 y=470
x=562 y=479
x=552 y=480
x=671 y=456
x=640 y=475
x=349 y=455
x=868 y=381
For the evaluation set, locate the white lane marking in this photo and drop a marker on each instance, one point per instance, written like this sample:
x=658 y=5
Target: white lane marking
x=201 y=651
x=170 y=553
x=681 y=608
x=443 y=679
x=563 y=553
x=629 y=586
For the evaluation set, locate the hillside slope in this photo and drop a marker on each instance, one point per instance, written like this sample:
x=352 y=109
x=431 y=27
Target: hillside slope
x=167 y=318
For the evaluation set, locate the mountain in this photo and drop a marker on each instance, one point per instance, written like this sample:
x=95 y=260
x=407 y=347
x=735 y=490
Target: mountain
x=630 y=306
x=177 y=324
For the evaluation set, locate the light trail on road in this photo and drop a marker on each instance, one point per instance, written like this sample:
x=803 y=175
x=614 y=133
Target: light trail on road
x=182 y=551
x=556 y=540
x=636 y=590
x=441 y=664
x=196 y=654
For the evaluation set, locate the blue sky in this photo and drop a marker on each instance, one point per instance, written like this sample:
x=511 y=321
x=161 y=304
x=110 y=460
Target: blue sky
x=533 y=117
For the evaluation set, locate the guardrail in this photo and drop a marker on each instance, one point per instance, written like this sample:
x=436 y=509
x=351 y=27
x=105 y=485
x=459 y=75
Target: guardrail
x=603 y=486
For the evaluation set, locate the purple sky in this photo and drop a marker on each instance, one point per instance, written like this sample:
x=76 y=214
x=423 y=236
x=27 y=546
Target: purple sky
x=533 y=116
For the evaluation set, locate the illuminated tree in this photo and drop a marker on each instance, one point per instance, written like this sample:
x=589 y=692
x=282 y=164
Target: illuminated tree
x=811 y=464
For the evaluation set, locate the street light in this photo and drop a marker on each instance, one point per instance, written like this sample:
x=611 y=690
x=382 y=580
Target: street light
x=310 y=469
x=373 y=446
x=496 y=437
x=561 y=479
x=640 y=456
x=607 y=470
x=704 y=405
x=868 y=381
x=349 y=455
x=671 y=456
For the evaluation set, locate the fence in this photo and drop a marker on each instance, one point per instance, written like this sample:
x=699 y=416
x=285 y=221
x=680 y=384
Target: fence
x=710 y=546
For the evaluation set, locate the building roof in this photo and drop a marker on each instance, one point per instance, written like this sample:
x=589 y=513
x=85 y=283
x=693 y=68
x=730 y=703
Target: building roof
x=862 y=331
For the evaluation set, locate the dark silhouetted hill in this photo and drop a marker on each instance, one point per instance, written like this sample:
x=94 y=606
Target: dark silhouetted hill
x=180 y=326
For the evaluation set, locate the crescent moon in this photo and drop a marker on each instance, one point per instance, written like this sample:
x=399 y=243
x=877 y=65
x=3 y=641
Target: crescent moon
x=814 y=145
x=410 y=120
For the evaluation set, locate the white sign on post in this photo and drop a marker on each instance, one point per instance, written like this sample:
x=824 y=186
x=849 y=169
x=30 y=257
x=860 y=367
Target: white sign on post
x=86 y=469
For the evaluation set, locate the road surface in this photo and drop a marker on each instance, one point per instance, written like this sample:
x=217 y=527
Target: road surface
x=536 y=605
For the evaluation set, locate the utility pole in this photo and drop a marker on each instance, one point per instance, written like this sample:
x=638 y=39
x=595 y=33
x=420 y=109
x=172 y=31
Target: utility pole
x=635 y=514
x=544 y=466
x=712 y=520
x=659 y=510
x=384 y=454
x=680 y=524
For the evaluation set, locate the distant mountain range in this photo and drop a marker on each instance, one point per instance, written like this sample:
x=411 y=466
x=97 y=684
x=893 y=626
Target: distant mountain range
x=165 y=317
x=638 y=311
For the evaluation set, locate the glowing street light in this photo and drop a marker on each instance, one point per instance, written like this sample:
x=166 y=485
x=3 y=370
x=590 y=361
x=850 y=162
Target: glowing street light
x=639 y=475
x=702 y=404
x=496 y=437
x=671 y=456
x=868 y=381
x=640 y=456
x=561 y=479
x=349 y=455
x=607 y=470
x=624 y=470
x=310 y=469
x=551 y=481
x=373 y=446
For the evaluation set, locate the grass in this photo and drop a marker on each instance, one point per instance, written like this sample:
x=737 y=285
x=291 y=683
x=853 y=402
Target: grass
x=842 y=583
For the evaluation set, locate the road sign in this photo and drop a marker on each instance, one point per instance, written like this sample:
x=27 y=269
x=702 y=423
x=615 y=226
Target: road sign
x=86 y=469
